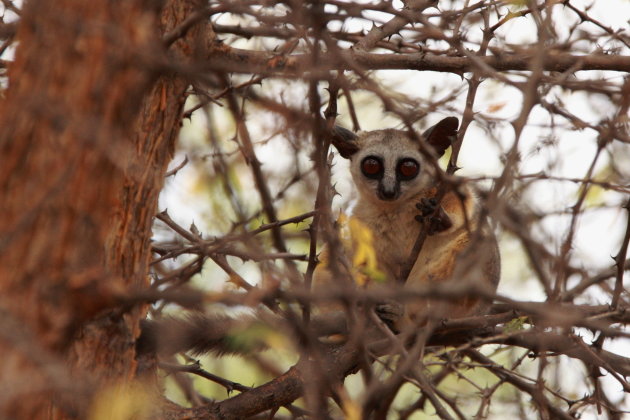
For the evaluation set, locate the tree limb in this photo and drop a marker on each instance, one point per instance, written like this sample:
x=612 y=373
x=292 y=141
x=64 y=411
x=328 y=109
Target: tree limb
x=234 y=60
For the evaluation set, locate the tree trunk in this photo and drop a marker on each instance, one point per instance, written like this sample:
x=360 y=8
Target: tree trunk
x=86 y=133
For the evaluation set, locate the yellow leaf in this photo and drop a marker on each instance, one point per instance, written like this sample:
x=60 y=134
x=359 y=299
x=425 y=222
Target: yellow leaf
x=358 y=241
x=121 y=402
x=363 y=242
x=364 y=262
x=518 y=3
x=351 y=409
x=496 y=107
x=595 y=194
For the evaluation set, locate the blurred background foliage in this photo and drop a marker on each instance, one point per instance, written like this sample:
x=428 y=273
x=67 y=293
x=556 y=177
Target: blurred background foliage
x=215 y=189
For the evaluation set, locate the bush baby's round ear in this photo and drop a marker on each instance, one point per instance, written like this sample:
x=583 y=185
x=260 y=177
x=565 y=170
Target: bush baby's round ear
x=345 y=141
x=442 y=134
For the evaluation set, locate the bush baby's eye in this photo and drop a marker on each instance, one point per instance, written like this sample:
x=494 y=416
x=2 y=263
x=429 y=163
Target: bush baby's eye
x=371 y=167
x=408 y=168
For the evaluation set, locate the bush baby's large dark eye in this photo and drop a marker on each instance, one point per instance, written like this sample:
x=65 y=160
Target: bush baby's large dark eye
x=408 y=168
x=371 y=167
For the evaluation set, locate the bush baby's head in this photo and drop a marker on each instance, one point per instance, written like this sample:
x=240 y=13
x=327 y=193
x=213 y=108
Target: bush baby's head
x=387 y=166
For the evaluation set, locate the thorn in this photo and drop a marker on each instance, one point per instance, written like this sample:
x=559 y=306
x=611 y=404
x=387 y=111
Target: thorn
x=194 y=230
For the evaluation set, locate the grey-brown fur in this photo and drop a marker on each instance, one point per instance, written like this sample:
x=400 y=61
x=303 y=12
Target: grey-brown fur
x=392 y=219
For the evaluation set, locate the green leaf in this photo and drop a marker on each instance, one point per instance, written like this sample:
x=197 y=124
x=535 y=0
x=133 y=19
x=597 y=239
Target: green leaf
x=517 y=324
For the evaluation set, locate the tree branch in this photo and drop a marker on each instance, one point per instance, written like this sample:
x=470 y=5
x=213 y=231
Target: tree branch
x=234 y=60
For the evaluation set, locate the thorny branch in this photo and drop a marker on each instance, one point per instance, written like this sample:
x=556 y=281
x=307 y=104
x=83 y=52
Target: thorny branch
x=422 y=36
x=261 y=92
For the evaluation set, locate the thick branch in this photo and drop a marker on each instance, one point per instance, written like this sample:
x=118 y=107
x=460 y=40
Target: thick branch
x=467 y=333
x=235 y=60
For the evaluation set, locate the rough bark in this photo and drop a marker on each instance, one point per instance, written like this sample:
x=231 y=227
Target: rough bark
x=83 y=163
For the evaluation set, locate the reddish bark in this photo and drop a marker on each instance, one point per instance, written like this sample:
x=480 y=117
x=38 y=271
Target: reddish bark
x=83 y=163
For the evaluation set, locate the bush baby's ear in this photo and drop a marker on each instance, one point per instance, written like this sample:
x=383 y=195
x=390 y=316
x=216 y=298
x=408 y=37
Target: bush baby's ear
x=442 y=134
x=345 y=141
